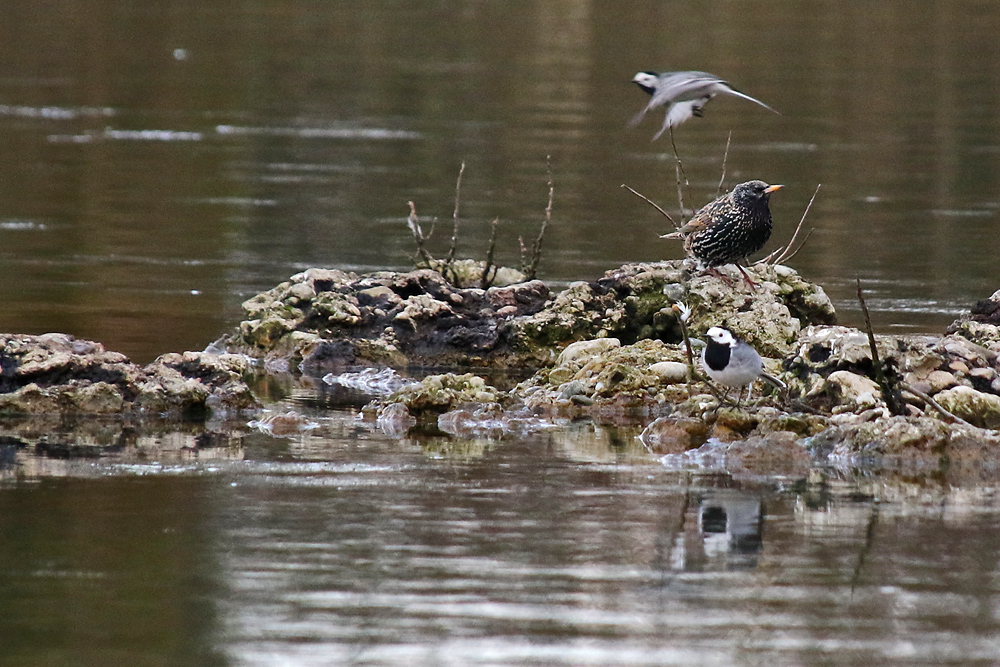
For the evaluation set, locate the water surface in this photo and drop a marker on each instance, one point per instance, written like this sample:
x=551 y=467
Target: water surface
x=163 y=162
x=571 y=547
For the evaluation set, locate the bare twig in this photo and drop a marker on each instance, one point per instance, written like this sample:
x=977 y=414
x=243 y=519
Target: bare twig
x=487 y=279
x=680 y=194
x=683 y=313
x=679 y=170
x=450 y=261
x=536 y=249
x=890 y=394
x=722 y=398
x=785 y=253
x=796 y=251
x=652 y=203
x=418 y=235
x=907 y=387
x=803 y=407
x=725 y=158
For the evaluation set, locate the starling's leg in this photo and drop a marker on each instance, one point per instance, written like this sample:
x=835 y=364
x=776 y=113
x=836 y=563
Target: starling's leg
x=752 y=284
x=715 y=272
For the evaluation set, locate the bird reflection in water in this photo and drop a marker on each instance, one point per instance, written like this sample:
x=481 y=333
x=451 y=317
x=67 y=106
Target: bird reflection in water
x=721 y=529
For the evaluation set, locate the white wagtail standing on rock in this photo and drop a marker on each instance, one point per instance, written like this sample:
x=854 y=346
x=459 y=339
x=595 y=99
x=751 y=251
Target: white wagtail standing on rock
x=684 y=94
x=732 y=362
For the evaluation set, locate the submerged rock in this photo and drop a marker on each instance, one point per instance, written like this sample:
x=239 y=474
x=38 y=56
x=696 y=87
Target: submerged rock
x=440 y=393
x=666 y=435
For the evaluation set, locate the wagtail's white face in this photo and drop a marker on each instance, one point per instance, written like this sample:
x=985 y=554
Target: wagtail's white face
x=646 y=81
x=721 y=336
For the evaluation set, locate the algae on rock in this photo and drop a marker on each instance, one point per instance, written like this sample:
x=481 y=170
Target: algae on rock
x=321 y=319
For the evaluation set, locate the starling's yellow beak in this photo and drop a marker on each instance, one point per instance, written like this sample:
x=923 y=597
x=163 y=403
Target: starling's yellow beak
x=771 y=188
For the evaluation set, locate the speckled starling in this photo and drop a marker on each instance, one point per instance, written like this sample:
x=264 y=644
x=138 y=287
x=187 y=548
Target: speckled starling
x=730 y=228
x=683 y=94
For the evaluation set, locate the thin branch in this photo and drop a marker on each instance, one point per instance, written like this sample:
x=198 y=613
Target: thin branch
x=536 y=250
x=449 y=263
x=680 y=194
x=679 y=170
x=785 y=253
x=722 y=398
x=418 y=235
x=889 y=393
x=796 y=251
x=487 y=280
x=725 y=158
x=653 y=204
x=782 y=256
x=681 y=317
x=907 y=387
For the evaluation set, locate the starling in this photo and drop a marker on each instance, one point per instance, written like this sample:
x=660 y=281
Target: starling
x=732 y=362
x=684 y=94
x=730 y=228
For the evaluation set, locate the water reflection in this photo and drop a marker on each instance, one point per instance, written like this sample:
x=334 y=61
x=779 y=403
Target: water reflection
x=341 y=544
x=163 y=165
x=164 y=162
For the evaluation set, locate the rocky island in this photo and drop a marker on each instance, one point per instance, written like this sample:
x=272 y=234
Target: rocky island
x=611 y=348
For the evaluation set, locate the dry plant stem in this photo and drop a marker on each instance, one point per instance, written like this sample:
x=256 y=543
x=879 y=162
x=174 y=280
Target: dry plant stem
x=803 y=407
x=796 y=251
x=783 y=254
x=722 y=398
x=450 y=262
x=680 y=194
x=725 y=158
x=536 y=250
x=690 y=354
x=907 y=387
x=679 y=171
x=889 y=393
x=418 y=235
x=487 y=279
x=653 y=204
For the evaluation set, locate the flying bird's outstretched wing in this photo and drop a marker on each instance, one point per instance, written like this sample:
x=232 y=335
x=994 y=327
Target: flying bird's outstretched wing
x=684 y=94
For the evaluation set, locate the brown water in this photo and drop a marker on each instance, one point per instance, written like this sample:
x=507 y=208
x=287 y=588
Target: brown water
x=162 y=161
x=570 y=547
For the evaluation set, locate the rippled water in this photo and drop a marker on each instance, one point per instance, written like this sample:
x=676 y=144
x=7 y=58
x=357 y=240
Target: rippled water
x=574 y=546
x=164 y=161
